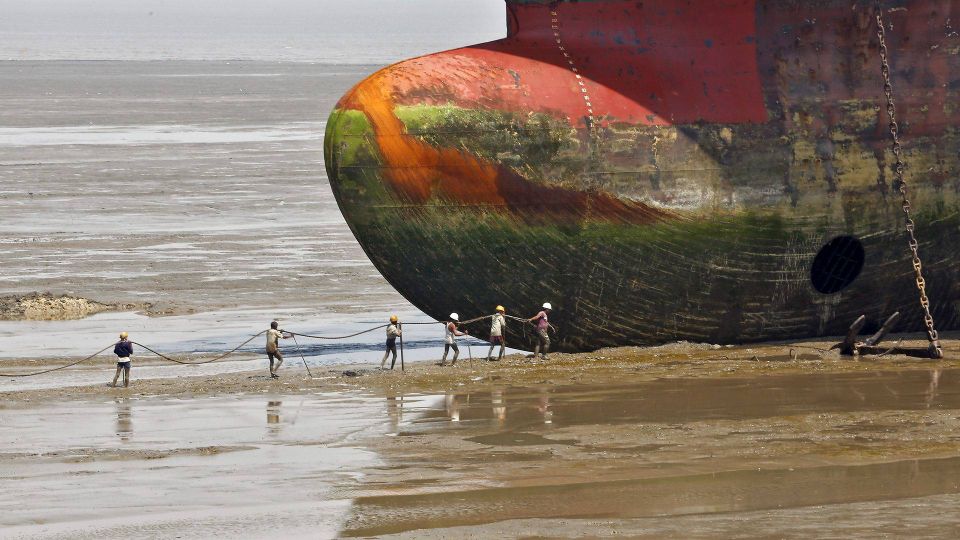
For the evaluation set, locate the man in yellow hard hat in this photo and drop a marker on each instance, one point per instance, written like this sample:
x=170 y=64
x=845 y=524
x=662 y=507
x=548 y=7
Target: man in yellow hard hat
x=393 y=332
x=498 y=324
x=124 y=351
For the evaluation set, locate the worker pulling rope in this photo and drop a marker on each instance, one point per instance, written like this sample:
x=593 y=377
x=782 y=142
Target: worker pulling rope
x=238 y=347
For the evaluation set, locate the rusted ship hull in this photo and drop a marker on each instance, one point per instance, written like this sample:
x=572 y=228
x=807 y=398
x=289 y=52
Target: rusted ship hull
x=663 y=170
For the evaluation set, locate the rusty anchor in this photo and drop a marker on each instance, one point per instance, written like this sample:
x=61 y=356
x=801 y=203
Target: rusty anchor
x=851 y=347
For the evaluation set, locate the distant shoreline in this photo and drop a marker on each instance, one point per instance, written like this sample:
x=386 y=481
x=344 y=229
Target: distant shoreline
x=188 y=61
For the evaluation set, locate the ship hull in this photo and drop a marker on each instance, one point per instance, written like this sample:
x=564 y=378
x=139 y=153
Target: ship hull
x=662 y=171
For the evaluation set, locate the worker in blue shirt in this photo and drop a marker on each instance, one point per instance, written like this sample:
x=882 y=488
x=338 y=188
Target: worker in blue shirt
x=124 y=351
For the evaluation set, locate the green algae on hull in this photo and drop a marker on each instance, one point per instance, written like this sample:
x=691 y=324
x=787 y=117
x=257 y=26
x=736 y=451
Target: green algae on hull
x=733 y=267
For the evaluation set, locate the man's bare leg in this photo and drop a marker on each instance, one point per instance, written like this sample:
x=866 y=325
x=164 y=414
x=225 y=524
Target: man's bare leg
x=446 y=349
x=279 y=363
x=116 y=376
x=456 y=354
x=383 y=362
x=126 y=377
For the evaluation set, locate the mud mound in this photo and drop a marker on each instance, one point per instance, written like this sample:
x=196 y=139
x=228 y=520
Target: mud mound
x=47 y=307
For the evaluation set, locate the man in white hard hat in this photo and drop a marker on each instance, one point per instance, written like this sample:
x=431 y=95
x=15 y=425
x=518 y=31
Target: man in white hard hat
x=498 y=323
x=450 y=335
x=124 y=351
x=541 y=320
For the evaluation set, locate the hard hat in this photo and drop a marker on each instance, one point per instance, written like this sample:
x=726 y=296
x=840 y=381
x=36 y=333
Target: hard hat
x=123 y=335
x=501 y=308
x=546 y=305
x=454 y=317
x=393 y=318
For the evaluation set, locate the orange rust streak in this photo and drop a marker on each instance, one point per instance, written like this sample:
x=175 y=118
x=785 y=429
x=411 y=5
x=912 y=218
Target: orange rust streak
x=413 y=166
x=419 y=172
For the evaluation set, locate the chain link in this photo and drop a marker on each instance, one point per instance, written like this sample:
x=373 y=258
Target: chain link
x=905 y=205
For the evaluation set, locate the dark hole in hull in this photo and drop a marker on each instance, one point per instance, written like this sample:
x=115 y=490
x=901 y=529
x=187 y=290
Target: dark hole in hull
x=837 y=265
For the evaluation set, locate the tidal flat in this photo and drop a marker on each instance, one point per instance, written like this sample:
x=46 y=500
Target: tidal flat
x=784 y=440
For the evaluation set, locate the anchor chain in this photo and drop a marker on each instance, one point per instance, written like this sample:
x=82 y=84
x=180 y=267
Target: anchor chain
x=935 y=348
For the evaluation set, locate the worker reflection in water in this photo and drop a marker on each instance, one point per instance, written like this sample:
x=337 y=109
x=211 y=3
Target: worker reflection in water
x=542 y=322
x=393 y=332
x=498 y=325
x=274 y=335
x=451 y=333
x=124 y=351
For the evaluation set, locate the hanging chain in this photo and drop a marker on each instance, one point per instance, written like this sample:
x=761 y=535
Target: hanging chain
x=898 y=169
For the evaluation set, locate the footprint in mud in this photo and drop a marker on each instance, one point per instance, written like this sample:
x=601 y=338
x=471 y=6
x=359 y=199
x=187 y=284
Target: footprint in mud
x=519 y=439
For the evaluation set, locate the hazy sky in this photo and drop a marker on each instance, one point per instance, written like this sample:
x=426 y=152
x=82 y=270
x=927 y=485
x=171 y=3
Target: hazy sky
x=286 y=29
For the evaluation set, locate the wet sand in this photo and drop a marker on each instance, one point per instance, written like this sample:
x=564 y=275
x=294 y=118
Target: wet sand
x=682 y=440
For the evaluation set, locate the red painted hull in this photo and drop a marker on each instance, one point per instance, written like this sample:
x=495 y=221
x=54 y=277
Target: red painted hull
x=661 y=170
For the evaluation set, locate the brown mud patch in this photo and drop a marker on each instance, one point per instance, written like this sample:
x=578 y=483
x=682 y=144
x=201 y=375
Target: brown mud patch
x=49 y=307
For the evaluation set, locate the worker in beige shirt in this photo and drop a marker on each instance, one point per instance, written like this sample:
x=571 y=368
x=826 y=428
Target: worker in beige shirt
x=274 y=335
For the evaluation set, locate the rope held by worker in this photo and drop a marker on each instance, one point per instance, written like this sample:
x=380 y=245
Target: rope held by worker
x=58 y=368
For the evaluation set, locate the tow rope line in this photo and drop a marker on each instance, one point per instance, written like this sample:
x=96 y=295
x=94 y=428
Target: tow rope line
x=368 y=330
x=57 y=368
x=201 y=362
x=238 y=347
x=161 y=355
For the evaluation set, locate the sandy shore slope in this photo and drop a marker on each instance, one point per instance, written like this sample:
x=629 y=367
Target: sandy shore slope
x=680 y=440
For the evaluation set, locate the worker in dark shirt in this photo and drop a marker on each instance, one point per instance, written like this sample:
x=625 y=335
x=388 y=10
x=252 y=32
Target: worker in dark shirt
x=124 y=351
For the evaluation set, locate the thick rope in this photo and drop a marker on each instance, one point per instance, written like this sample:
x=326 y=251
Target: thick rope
x=367 y=331
x=57 y=368
x=528 y=321
x=221 y=357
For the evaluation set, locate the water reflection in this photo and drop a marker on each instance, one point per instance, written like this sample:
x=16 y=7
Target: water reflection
x=395 y=411
x=452 y=407
x=934 y=385
x=525 y=407
x=273 y=417
x=544 y=406
x=498 y=405
x=124 y=427
x=676 y=401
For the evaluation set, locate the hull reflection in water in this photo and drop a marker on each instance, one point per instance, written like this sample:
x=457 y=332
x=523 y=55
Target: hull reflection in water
x=586 y=456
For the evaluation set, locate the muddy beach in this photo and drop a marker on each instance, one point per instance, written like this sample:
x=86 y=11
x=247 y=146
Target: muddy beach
x=681 y=440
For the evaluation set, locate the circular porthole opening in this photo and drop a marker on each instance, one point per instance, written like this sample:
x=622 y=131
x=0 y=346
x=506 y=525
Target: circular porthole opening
x=837 y=265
